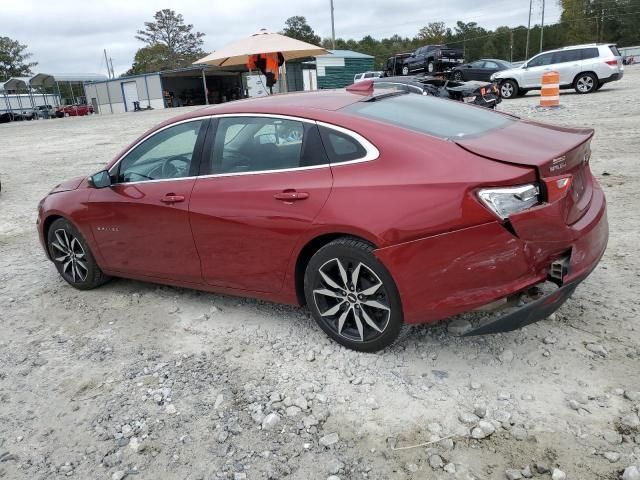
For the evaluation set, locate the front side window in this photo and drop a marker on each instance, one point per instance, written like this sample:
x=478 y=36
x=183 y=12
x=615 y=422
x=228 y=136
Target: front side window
x=477 y=64
x=165 y=155
x=258 y=144
x=540 y=60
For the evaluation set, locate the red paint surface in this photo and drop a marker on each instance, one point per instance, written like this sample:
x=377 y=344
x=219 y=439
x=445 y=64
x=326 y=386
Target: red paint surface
x=416 y=203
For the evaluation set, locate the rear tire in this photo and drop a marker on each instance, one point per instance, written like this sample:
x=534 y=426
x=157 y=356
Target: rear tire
x=585 y=83
x=509 y=89
x=72 y=257
x=352 y=296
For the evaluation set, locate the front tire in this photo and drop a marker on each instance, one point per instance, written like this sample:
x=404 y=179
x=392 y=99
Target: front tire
x=72 y=257
x=585 y=83
x=352 y=296
x=431 y=66
x=458 y=76
x=509 y=89
x=405 y=70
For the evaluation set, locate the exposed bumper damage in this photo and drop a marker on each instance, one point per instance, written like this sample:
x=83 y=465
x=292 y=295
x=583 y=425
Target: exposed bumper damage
x=457 y=272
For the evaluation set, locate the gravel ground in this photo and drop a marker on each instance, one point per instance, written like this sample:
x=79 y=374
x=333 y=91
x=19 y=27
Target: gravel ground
x=135 y=380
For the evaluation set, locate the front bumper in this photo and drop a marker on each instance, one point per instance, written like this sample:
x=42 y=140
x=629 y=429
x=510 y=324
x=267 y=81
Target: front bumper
x=456 y=272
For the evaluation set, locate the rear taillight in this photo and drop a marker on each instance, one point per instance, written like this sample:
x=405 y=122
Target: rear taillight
x=557 y=187
x=613 y=63
x=506 y=201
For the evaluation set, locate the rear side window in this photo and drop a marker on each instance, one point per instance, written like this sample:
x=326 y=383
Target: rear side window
x=341 y=147
x=567 y=56
x=434 y=116
x=258 y=144
x=588 y=53
x=614 y=50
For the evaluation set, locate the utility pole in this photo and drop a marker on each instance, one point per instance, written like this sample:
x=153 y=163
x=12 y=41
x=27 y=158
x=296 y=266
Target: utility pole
x=106 y=60
x=526 y=49
x=542 y=27
x=113 y=74
x=511 y=47
x=333 y=28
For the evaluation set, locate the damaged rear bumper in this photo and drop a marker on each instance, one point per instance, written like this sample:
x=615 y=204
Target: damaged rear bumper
x=530 y=313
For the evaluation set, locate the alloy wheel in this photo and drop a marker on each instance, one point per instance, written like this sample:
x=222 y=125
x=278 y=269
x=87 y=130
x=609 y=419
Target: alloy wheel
x=507 y=90
x=68 y=252
x=352 y=300
x=585 y=84
x=457 y=76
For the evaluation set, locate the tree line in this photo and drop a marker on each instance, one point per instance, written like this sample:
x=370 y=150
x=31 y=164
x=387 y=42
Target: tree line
x=170 y=43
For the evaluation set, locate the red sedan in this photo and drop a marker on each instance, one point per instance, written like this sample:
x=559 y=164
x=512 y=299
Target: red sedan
x=375 y=209
x=74 y=111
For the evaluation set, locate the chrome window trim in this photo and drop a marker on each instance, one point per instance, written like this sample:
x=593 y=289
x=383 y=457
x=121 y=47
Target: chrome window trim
x=372 y=153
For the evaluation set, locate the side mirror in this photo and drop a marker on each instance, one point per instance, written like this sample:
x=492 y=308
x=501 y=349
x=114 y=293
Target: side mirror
x=100 y=180
x=524 y=65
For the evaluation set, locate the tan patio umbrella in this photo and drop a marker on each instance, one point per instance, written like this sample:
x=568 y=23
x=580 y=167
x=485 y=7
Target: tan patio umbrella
x=237 y=53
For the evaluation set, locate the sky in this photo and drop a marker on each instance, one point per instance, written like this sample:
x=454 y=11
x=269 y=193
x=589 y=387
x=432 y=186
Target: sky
x=68 y=36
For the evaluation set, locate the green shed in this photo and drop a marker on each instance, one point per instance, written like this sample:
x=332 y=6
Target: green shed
x=338 y=69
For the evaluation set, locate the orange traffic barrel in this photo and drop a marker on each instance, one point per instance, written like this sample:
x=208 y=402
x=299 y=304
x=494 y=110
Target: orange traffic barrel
x=550 y=92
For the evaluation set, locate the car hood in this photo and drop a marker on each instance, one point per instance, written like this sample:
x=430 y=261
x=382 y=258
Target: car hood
x=508 y=72
x=68 y=185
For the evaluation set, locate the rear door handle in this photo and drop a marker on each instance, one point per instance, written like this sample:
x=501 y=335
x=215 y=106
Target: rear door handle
x=291 y=196
x=172 y=198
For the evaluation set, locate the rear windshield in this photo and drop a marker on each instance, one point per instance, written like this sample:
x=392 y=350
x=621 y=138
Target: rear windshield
x=434 y=116
x=614 y=50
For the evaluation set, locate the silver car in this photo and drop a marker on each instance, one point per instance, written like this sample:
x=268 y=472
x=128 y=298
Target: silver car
x=586 y=68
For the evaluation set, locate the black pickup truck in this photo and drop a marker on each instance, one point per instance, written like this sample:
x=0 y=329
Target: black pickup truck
x=431 y=59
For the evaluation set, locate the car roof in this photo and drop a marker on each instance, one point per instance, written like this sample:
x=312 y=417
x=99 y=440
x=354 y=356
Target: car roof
x=282 y=104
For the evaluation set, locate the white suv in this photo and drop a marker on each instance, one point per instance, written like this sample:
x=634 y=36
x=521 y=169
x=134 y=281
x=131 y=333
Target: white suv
x=358 y=77
x=583 y=67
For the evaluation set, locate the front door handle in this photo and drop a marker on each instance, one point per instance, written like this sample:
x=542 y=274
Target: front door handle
x=172 y=198
x=291 y=196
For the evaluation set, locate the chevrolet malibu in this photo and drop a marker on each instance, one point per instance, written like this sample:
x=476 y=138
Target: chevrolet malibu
x=376 y=209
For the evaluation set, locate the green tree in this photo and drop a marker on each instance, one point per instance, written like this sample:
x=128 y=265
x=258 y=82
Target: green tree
x=298 y=28
x=433 y=33
x=14 y=59
x=169 y=42
x=152 y=59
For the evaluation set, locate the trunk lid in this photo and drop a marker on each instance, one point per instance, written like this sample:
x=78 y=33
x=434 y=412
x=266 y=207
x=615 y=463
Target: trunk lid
x=553 y=151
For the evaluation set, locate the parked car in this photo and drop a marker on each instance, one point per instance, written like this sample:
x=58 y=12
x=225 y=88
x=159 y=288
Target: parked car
x=6 y=117
x=366 y=75
x=45 y=111
x=375 y=209
x=74 y=110
x=479 y=70
x=484 y=94
x=432 y=59
x=17 y=116
x=585 y=68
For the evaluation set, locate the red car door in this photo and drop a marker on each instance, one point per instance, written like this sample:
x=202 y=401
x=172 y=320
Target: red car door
x=266 y=180
x=141 y=221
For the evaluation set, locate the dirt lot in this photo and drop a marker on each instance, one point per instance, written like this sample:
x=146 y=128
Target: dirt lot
x=152 y=382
